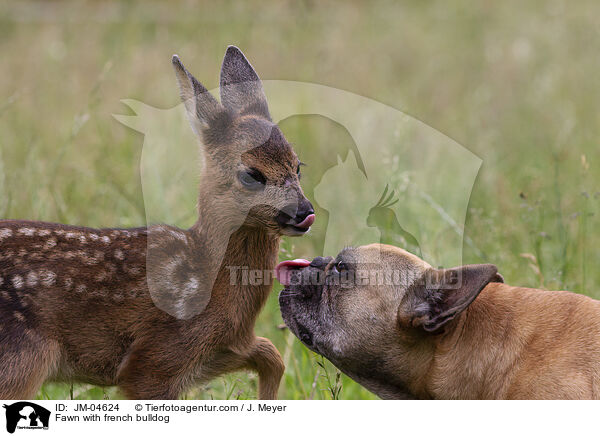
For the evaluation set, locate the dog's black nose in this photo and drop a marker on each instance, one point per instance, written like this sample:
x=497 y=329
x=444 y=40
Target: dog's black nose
x=321 y=262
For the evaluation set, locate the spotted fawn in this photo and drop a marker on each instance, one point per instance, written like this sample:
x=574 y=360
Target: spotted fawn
x=155 y=310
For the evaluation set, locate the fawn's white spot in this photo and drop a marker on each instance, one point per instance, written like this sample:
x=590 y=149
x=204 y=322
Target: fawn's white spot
x=27 y=231
x=81 y=288
x=59 y=232
x=82 y=239
x=19 y=316
x=50 y=243
x=119 y=254
x=93 y=236
x=94 y=258
x=48 y=278
x=22 y=252
x=102 y=275
x=5 y=233
x=44 y=232
x=179 y=235
x=105 y=239
x=32 y=279
x=70 y=255
x=71 y=235
x=5 y=295
x=68 y=283
x=1 y=281
x=18 y=282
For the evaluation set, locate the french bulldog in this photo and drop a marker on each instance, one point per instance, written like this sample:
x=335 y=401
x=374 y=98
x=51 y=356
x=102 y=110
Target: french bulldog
x=406 y=330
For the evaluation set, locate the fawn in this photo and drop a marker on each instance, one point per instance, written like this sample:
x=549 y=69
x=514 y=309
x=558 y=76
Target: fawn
x=154 y=310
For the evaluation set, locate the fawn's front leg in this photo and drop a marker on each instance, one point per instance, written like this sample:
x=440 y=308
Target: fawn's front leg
x=266 y=360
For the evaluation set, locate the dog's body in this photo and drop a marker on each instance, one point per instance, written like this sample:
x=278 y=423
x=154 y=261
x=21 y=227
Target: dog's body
x=519 y=343
x=421 y=339
x=155 y=310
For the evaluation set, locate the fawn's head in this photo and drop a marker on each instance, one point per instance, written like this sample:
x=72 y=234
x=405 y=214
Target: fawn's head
x=251 y=173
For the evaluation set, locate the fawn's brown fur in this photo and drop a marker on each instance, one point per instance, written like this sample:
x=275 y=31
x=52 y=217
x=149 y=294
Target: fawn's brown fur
x=80 y=304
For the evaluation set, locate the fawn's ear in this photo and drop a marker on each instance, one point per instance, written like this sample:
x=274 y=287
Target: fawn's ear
x=441 y=295
x=200 y=105
x=241 y=88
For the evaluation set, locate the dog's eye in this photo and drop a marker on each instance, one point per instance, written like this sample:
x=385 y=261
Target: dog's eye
x=341 y=266
x=252 y=179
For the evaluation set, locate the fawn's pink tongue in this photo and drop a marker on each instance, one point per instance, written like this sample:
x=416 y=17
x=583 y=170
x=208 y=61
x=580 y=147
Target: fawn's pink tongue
x=307 y=222
x=283 y=271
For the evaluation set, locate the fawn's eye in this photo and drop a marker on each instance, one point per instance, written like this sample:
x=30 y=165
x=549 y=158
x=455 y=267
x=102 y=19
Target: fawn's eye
x=298 y=169
x=252 y=179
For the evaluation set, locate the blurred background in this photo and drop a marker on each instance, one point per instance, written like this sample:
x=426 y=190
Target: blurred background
x=514 y=82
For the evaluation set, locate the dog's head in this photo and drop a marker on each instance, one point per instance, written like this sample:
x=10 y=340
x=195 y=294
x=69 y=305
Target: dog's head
x=369 y=309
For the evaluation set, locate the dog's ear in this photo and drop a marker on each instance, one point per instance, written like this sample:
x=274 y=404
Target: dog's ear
x=241 y=88
x=201 y=107
x=440 y=295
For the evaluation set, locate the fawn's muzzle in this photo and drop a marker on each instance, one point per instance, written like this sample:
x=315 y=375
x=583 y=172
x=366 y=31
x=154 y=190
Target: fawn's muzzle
x=295 y=220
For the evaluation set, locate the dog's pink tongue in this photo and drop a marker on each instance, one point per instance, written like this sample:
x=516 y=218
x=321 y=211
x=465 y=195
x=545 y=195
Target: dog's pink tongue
x=283 y=271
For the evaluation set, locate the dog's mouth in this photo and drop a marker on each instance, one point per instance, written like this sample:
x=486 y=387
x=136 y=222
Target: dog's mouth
x=304 y=335
x=296 y=317
x=285 y=269
x=300 y=298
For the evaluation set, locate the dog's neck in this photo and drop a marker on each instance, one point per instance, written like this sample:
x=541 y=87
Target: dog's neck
x=468 y=356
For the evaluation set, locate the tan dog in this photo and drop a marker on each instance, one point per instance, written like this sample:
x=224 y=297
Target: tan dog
x=403 y=329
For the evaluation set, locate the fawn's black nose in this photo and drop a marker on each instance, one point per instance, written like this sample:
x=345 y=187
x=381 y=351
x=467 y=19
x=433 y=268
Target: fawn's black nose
x=300 y=216
x=321 y=262
x=304 y=212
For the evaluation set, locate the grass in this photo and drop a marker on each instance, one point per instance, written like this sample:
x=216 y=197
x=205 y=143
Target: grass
x=513 y=82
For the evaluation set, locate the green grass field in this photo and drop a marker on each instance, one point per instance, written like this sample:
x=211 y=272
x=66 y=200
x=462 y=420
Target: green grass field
x=514 y=82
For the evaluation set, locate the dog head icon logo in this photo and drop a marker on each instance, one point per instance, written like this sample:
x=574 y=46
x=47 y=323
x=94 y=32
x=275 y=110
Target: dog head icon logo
x=26 y=415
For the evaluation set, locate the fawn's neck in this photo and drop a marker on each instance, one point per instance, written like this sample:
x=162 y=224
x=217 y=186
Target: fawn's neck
x=243 y=259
